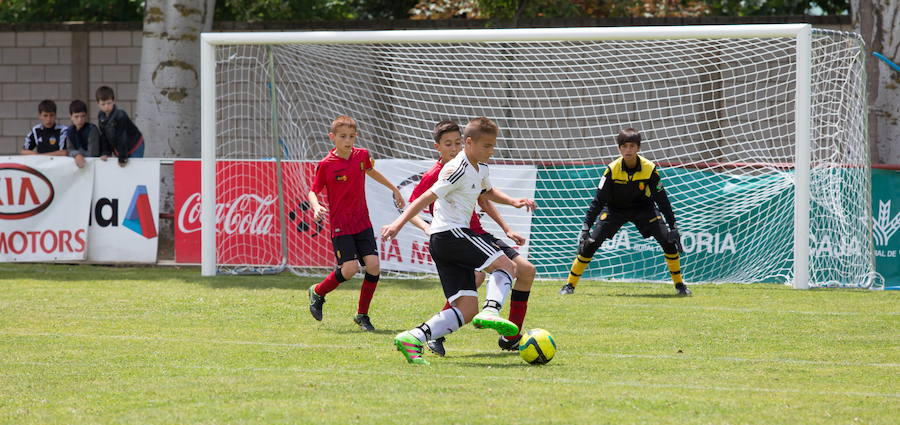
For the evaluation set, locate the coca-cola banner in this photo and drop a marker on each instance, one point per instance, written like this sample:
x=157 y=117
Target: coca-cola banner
x=247 y=220
x=248 y=226
x=44 y=203
x=124 y=213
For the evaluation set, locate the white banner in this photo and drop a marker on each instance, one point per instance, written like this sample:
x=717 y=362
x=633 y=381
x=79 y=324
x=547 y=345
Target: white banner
x=124 y=211
x=44 y=203
x=409 y=250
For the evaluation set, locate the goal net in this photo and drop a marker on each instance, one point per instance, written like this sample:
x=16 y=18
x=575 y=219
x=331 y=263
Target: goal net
x=759 y=132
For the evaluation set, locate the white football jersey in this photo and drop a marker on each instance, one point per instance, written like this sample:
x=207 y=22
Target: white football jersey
x=457 y=190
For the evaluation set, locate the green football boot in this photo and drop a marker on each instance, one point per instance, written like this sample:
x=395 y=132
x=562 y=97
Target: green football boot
x=411 y=348
x=491 y=320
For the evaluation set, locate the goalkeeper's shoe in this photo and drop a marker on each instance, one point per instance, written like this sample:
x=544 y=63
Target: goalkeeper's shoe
x=682 y=290
x=315 y=303
x=436 y=346
x=511 y=344
x=364 y=323
x=411 y=347
x=567 y=289
x=492 y=320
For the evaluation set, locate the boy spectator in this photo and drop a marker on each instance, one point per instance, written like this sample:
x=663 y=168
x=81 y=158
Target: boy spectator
x=82 y=137
x=46 y=138
x=121 y=137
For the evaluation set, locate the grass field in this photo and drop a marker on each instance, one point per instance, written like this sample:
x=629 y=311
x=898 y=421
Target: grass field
x=83 y=344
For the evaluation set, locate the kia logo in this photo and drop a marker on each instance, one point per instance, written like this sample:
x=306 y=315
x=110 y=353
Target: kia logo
x=24 y=191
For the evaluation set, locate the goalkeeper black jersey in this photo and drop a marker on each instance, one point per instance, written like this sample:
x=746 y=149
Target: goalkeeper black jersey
x=635 y=188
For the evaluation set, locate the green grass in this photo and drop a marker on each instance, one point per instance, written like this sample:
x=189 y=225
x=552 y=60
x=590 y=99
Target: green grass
x=84 y=344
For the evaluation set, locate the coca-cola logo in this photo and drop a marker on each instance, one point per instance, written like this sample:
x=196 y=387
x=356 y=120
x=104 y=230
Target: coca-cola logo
x=24 y=191
x=247 y=214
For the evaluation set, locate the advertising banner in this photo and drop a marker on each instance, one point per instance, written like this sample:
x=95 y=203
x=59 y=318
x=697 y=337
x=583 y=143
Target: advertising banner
x=44 y=204
x=886 y=225
x=409 y=250
x=248 y=224
x=124 y=212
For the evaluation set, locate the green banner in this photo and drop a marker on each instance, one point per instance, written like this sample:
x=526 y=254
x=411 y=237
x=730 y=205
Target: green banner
x=886 y=225
x=735 y=228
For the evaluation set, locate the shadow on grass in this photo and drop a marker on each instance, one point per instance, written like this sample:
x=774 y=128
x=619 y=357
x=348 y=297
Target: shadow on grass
x=188 y=274
x=648 y=296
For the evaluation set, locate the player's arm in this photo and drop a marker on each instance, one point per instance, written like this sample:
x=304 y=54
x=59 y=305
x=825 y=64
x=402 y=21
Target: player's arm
x=492 y=212
x=61 y=152
x=319 y=211
x=665 y=207
x=496 y=195
x=413 y=209
x=661 y=199
x=30 y=146
x=380 y=178
x=601 y=198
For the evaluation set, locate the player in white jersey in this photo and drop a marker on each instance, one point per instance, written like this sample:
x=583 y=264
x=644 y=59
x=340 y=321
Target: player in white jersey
x=456 y=250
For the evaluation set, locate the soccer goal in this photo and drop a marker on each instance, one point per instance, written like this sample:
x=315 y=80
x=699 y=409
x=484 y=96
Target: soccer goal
x=759 y=132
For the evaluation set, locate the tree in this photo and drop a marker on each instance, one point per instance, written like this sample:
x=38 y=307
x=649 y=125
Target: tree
x=879 y=23
x=70 y=10
x=168 y=106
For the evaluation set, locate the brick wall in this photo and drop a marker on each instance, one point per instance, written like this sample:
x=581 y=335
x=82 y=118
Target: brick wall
x=62 y=66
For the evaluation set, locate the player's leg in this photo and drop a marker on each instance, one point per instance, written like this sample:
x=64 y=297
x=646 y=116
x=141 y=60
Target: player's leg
x=518 y=300
x=437 y=345
x=368 y=253
x=499 y=283
x=452 y=257
x=609 y=223
x=653 y=225
x=345 y=251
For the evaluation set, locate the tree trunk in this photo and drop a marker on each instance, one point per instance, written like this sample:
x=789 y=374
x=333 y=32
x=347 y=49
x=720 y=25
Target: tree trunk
x=168 y=106
x=879 y=23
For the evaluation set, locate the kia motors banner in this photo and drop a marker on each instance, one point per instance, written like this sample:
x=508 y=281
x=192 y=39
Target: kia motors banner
x=44 y=204
x=124 y=212
x=247 y=219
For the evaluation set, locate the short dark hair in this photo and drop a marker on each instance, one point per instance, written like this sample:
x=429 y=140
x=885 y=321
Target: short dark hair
x=628 y=135
x=77 y=106
x=47 y=105
x=444 y=127
x=105 y=93
x=481 y=125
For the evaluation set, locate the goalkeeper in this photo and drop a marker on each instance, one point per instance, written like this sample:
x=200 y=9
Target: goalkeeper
x=630 y=190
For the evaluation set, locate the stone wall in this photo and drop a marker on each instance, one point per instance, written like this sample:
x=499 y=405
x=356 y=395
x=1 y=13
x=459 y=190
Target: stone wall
x=62 y=66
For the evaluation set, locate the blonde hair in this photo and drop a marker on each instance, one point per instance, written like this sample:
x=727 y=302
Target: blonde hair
x=343 y=120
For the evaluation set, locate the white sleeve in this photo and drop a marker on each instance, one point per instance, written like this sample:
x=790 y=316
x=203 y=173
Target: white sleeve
x=443 y=186
x=486 y=180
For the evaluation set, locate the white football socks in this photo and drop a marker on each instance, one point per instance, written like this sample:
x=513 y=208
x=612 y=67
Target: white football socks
x=440 y=324
x=498 y=287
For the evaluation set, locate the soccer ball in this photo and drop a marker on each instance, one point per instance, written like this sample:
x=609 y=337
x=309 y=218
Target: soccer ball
x=537 y=347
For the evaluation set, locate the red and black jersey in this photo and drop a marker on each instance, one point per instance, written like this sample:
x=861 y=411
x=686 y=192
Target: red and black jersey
x=344 y=182
x=428 y=180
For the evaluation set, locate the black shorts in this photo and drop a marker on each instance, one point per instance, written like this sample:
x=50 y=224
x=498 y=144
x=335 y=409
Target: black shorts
x=355 y=246
x=647 y=220
x=508 y=250
x=456 y=254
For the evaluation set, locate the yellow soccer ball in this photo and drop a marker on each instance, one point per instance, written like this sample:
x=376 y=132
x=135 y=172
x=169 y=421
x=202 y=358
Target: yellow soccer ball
x=537 y=347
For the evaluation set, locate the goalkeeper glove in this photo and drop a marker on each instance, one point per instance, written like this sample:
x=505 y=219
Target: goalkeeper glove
x=674 y=238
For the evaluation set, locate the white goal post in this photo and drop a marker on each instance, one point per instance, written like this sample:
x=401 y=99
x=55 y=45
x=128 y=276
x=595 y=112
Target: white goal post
x=753 y=92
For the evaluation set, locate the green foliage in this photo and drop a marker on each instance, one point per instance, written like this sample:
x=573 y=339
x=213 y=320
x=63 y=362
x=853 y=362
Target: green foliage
x=71 y=10
x=147 y=345
x=511 y=9
x=778 y=7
